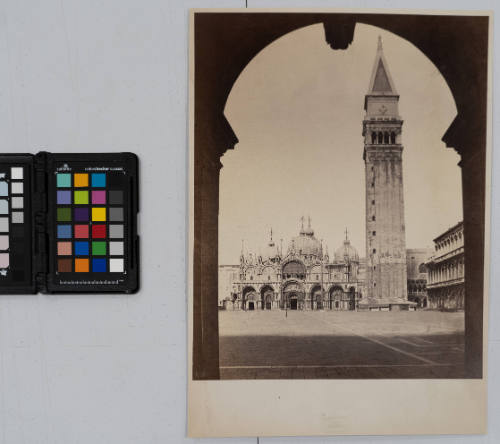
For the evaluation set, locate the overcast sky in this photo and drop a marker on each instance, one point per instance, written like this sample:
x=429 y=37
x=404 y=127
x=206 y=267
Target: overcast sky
x=297 y=110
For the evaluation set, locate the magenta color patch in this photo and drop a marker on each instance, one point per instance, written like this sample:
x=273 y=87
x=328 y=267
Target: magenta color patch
x=99 y=197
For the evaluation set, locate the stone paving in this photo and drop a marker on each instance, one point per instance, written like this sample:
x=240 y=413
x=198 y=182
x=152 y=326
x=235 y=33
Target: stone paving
x=323 y=344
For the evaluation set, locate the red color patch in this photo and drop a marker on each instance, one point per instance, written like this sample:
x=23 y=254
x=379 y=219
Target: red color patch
x=98 y=231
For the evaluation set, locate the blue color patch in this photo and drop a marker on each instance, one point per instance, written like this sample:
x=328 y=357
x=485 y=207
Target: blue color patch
x=99 y=265
x=81 y=248
x=98 y=180
x=63 y=180
x=64 y=231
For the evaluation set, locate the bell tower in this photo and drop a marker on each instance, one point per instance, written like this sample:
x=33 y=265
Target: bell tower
x=385 y=225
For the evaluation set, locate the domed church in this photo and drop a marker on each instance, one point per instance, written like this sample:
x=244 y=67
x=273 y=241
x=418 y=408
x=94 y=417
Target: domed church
x=303 y=278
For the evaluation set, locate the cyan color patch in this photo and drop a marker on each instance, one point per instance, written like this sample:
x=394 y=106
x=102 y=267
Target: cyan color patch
x=98 y=180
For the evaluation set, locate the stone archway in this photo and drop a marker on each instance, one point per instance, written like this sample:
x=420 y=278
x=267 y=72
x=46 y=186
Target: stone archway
x=335 y=298
x=249 y=298
x=223 y=49
x=316 y=298
x=293 y=296
x=266 y=296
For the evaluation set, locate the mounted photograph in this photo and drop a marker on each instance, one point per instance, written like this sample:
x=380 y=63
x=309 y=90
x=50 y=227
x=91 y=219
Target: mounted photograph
x=338 y=196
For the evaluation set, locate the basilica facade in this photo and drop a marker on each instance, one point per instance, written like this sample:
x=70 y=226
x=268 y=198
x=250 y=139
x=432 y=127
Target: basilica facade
x=303 y=277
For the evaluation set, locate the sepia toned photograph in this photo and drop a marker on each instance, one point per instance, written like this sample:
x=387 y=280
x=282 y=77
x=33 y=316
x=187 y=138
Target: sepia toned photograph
x=339 y=168
x=304 y=296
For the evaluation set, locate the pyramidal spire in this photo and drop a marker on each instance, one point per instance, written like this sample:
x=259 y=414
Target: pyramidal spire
x=381 y=82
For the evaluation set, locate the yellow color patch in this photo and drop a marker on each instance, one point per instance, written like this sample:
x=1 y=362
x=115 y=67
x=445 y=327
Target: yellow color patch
x=98 y=214
x=81 y=180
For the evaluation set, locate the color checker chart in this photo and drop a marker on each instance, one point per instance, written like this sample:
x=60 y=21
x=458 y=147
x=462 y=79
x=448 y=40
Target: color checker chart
x=68 y=223
x=93 y=211
x=90 y=222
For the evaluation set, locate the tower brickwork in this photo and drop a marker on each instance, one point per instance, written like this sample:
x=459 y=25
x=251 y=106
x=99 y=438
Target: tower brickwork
x=385 y=224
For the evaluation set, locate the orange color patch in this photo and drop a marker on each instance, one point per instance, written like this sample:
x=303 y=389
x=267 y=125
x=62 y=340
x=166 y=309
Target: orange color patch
x=82 y=265
x=81 y=180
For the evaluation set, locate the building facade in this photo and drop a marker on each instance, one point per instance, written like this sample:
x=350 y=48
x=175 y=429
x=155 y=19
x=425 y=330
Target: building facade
x=445 y=287
x=305 y=278
x=386 y=280
x=416 y=272
x=302 y=278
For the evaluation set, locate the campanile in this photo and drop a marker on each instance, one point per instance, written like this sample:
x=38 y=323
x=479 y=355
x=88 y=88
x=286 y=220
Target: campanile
x=385 y=224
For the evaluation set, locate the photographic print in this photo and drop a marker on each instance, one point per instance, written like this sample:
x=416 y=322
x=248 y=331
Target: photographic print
x=339 y=169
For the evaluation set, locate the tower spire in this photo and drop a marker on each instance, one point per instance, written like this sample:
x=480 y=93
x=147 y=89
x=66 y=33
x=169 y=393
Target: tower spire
x=381 y=81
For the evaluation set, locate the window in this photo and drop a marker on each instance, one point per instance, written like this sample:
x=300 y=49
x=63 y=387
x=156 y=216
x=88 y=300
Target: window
x=374 y=137
x=380 y=138
x=374 y=250
x=374 y=284
x=317 y=276
x=374 y=233
x=373 y=184
x=393 y=138
x=373 y=217
x=386 y=137
x=373 y=202
x=269 y=278
x=374 y=267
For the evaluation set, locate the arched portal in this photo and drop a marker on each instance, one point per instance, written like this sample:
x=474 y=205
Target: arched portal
x=293 y=296
x=266 y=296
x=249 y=298
x=316 y=298
x=336 y=296
x=217 y=53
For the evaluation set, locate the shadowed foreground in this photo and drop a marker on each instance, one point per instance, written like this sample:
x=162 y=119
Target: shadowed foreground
x=346 y=345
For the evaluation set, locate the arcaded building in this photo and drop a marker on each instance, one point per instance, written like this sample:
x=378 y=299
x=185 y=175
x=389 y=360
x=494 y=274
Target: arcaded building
x=304 y=277
x=445 y=287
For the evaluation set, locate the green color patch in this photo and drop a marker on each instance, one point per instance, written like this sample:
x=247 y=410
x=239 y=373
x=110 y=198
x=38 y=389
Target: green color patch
x=98 y=248
x=63 y=214
x=81 y=197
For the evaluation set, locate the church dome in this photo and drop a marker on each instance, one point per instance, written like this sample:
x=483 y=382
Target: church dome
x=305 y=244
x=346 y=252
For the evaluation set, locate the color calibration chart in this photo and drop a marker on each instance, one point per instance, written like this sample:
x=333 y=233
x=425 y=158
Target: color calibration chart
x=11 y=219
x=90 y=221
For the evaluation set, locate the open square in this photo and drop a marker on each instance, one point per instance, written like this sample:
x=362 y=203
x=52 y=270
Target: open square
x=345 y=345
